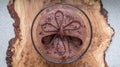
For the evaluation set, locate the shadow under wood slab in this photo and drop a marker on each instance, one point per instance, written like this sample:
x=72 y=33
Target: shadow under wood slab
x=60 y=31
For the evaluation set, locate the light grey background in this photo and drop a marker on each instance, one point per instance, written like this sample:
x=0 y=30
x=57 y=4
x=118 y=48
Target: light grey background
x=6 y=31
x=112 y=54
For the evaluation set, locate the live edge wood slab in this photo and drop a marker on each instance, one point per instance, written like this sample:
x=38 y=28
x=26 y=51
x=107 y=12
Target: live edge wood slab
x=90 y=46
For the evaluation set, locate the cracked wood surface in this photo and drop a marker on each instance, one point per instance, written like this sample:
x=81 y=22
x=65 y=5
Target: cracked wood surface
x=21 y=52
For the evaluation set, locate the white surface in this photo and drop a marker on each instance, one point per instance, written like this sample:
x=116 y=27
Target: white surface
x=112 y=54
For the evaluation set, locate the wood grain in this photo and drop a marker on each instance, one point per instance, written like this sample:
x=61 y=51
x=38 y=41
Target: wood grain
x=21 y=52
